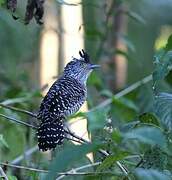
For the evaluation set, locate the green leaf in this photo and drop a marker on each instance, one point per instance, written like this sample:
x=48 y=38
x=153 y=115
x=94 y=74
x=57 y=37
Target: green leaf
x=3 y=142
x=10 y=177
x=97 y=118
x=107 y=93
x=95 y=80
x=149 y=118
x=163 y=63
x=163 y=109
x=93 y=33
x=123 y=109
x=116 y=136
x=2 y=2
x=79 y=114
x=147 y=135
x=169 y=44
x=69 y=156
x=127 y=103
x=154 y=158
x=110 y=160
x=150 y=174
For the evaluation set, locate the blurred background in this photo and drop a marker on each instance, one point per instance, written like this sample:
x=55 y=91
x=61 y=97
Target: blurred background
x=120 y=35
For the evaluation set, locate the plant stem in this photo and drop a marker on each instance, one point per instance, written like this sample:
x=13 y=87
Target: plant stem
x=18 y=110
x=79 y=168
x=3 y=174
x=122 y=167
x=70 y=172
x=28 y=152
x=124 y=92
x=18 y=121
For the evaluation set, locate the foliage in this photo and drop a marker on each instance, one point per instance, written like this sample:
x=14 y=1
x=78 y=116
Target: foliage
x=131 y=133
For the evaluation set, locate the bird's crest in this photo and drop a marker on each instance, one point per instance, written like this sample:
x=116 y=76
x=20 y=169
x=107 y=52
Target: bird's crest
x=84 y=55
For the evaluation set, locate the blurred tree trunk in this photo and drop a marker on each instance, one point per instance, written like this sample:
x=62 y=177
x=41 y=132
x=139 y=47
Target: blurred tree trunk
x=49 y=45
x=73 y=42
x=120 y=62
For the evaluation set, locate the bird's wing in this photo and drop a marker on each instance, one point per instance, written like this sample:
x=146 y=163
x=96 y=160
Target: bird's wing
x=63 y=99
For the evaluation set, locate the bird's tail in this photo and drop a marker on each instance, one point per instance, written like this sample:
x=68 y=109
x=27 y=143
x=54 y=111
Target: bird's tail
x=50 y=134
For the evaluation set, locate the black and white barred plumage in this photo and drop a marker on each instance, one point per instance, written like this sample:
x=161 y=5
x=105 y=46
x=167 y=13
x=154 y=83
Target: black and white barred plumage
x=63 y=99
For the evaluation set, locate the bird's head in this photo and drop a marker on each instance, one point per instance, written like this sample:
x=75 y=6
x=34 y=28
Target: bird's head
x=81 y=68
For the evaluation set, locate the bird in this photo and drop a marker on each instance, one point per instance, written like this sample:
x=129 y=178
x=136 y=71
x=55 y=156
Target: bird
x=64 y=98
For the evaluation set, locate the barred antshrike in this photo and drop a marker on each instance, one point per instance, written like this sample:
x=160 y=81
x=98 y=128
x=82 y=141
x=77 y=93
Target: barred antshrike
x=63 y=99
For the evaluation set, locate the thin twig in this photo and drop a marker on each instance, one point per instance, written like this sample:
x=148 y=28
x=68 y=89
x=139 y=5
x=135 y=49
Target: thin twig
x=3 y=174
x=16 y=100
x=18 y=110
x=26 y=153
x=23 y=167
x=122 y=167
x=103 y=104
x=78 y=169
x=18 y=121
x=124 y=92
x=75 y=140
x=32 y=126
x=70 y=172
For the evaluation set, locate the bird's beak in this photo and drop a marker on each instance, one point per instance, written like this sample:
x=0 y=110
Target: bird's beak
x=93 y=66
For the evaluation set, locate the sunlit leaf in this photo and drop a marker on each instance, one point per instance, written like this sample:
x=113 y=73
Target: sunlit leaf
x=149 y=118
x=79 y=114
x=169 y=44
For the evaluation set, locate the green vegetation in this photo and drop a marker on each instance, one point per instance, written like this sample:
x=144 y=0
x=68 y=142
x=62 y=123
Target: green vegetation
x=131 y=127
